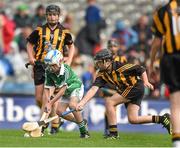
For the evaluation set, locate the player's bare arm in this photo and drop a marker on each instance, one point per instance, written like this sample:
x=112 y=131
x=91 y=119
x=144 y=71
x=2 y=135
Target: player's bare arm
x=49 y=92
x=59 y=94
x=71 y=54
x=30 y=52
x=52 y=100
x=156 y=45
x=92 y=91
x=146 y=81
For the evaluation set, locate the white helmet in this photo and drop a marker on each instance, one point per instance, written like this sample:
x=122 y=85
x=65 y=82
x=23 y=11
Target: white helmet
x=54 y=57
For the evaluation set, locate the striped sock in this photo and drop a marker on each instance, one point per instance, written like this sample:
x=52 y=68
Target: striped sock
x=176 y=140
x=113 y=130
x=156 y=119
x=82 y=127
x=55 y=125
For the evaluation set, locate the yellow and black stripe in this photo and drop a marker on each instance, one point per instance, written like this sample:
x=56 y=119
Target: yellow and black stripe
x=176 y=137
x=54 y=37
x=121 y=59
x=123 y=76
x=109 y=89
x=166 y=26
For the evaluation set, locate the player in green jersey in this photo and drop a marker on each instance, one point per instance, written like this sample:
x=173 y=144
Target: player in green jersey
x=63 y=86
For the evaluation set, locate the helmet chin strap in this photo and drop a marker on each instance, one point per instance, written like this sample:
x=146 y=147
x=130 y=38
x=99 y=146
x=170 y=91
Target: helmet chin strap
x=106 y=69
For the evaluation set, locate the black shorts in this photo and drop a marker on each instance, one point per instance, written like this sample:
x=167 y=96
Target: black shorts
x=170 y=71
x=136 y=94
x=39 y=73
x=106 y=87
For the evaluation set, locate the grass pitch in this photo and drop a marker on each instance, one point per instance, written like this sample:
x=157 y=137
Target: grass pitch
x=14 y=138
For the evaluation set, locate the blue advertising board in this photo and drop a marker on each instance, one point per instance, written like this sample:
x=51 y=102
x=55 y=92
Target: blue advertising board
x=14 y=111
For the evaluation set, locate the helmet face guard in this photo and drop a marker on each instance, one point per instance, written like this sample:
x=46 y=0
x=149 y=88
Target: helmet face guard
x=52 y=10
x=102 y=65
x=103 y=59
x=52 y=68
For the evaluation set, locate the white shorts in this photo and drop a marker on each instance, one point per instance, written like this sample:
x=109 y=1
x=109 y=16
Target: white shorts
x=79 y=92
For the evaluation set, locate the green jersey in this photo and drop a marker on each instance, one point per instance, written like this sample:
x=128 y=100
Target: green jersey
x=65 y=76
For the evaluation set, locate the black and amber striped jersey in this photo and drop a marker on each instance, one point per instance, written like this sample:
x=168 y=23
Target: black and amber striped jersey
x=166 y=26
x=43 y=36
x=123 y=77
x=120 y=58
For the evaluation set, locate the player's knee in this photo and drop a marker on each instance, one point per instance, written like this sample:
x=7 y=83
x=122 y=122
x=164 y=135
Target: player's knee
x=59 y=112
x=108 y=102
x=106 y=98
x=72 y=105
x=106 y=106
x=133 y=120
x=39 y=103
x=38 y=97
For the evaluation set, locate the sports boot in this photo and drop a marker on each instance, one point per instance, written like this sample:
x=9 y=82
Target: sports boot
x=166 y=122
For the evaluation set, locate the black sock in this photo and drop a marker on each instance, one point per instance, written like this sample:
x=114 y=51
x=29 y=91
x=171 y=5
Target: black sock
x=175 y=137
x=55 y=125
x=113 y=130
x=157 y=119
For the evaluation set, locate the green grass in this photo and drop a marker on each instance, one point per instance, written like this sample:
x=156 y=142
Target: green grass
x=14 y=138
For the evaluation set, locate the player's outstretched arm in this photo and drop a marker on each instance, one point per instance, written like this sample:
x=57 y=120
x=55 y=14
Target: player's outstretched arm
x=92 y=91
